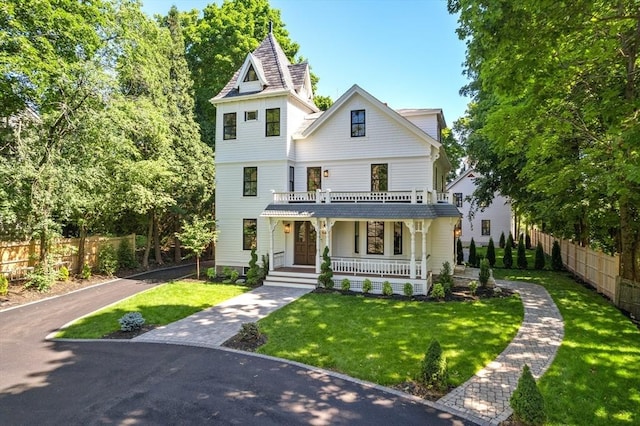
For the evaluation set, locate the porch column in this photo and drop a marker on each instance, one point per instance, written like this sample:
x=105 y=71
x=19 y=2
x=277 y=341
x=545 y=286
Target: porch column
x=272 y=226
x=425 y=227
x=412 y=263
x=318 y=244
x=329 y=224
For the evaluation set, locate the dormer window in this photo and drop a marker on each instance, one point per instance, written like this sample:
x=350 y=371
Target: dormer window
x=357 y=123
x=251 y=75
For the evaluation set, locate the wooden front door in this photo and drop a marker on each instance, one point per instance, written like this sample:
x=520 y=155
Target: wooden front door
x=305 y=245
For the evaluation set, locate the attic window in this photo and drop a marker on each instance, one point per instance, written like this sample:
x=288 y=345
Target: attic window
x=357 y=123
x=251 y=75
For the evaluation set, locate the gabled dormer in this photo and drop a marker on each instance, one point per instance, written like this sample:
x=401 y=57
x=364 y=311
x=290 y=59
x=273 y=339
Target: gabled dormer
x=251 y=77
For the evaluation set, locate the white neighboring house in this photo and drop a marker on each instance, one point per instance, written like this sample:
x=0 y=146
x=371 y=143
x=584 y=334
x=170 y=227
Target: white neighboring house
x=362 y=179
x=488 y=223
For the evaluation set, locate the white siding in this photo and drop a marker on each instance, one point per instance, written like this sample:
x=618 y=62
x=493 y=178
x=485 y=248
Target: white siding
x=427 y=122
x=440 y=243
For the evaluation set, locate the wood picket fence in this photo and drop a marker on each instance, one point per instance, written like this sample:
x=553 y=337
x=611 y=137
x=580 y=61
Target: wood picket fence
x=18 y=258
x=600 y=270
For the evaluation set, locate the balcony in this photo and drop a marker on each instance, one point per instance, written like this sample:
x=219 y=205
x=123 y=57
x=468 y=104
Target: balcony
x=328 y=197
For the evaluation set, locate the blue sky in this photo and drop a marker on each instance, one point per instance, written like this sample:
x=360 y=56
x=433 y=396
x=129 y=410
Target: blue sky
x=404 y=52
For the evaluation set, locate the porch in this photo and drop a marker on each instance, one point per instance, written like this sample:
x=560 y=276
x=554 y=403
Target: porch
x=319 y=196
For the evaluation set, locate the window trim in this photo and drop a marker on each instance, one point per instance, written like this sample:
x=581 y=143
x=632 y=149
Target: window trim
x=248 y=242
x=397 y=237
x=359 y=126
x=319 y=169
x=269 y=129
x=225 y=127
x=458 y=199
x=246 y=183
x=246 y=115
x=376 y=182
x=375 y=230
x=485 y=230
x=250 y=75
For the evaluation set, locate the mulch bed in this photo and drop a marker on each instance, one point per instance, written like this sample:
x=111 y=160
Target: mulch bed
x=459 y=293
x=243 y=344
x=129 y=334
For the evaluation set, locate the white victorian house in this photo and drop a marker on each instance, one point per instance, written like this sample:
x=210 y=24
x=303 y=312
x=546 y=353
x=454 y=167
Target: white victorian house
x=485 y=223
x=362 y=179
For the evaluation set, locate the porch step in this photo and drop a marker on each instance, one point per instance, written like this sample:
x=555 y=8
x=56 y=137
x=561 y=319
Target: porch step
x=291 y=279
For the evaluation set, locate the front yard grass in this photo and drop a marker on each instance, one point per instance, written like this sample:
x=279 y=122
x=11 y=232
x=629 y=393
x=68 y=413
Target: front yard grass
x=159 y=305
x=384 y=340
x=595 y=377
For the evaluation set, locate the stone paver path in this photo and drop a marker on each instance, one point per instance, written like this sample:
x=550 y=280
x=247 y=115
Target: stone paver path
x=215 y=325
x=484 y=398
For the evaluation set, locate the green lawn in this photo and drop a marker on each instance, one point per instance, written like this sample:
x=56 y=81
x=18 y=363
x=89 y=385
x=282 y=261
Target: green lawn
x=384 y=341
x=595 y=377
x=159 y=306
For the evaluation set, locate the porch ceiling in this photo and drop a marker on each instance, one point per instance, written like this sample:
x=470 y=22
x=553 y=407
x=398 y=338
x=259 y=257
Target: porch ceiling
x=362 y=210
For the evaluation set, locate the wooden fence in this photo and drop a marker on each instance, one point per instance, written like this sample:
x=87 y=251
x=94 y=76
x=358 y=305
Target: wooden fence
x=596 y=268
x=18 y=258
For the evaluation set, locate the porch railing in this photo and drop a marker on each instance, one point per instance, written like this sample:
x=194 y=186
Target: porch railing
x=381 y=267
x=327 y=196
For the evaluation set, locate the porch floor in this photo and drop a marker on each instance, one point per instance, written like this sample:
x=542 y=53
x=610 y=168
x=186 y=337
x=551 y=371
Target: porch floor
x=312 y=270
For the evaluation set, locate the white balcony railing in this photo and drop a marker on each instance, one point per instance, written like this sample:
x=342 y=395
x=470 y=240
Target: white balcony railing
x=381 y=267
x=320 y=196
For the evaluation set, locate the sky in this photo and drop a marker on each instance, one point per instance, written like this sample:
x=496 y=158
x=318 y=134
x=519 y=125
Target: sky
x=403 y=52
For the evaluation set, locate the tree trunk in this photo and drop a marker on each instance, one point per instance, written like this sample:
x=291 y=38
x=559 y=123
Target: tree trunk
x=197 y=266
x=156 y=240
x=147 y=248
x=44 y=246
x=630 y=238
x=81 y=249
x=177 y=253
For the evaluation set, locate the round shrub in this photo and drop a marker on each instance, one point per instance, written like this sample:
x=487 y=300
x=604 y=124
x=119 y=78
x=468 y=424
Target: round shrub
x=387 y=290
x=527 y=401
x=437 y=292
x=345 y=284
x=473 y=287
x=63 y=273
x=131 y=321
x=4 y=285
x=249 y=331
x=408 y=289
x=366 y=286
x=434 y=372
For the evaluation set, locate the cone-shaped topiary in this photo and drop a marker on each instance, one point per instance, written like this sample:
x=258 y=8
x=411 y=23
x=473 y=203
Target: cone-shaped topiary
x=539 y=263
x=507 y=259
x=485 y=272
x=491 y=253
x=501 y=243
x=472 y=253
x=527 y=242
x=459 y=252
x=527 y=401
x=556 y=257
x=522 y=255
x=434 y=372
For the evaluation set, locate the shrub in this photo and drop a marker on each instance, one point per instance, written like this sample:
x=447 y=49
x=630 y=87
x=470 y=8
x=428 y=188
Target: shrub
x=501 y=243
x=473 y=287
x=4 y=285
x=107 y=260
x=249 y=331
x=86 y=271
x=387 y=290
x=265 y=266
x=507 y=259
x=126 y=255
x=527 y=401
x=253 y=274
x=230 y=274
x=346 y=284
x=437 y=292
x=491 y=253
x=434 y=372
x=326 y=273
x=211 y=273
x=459 y=252
x=446 y=278
x=540 y=260
x=42 y=277
x=497 y=291
x=63 y=273
x=527 y=242
x=511 y=241
x=131 y=321
x=522 y=255
x=366 y=286
x=408 y=289
x=485 y=272
x=472 y=252
x=556 y=257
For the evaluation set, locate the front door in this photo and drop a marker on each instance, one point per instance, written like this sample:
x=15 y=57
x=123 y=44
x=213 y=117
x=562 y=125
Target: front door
x=305 y=245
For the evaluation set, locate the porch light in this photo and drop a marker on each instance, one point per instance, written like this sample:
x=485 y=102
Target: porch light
x=325 y=173
x=287 y=228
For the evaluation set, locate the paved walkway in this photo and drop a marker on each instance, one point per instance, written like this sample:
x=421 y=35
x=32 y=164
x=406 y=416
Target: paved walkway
x=215 y=325
x=484 y=398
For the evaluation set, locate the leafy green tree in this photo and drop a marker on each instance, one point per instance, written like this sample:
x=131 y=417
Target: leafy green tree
x=491 y=253
x=196 y=237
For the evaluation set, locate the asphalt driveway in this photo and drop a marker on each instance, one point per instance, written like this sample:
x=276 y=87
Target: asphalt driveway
x=115 y=382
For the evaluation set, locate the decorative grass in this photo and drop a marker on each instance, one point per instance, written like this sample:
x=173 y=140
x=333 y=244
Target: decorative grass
x=384 y=340
x=159 y=306
x=595 y=377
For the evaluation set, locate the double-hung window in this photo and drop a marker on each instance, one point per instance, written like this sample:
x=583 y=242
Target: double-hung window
x=292 y=178
x=314 y=178
x=249 y=233
x=379 y=177
x=250 y=182
x=357 y=123
x=229 y=125
x=397 y=238
x=375 y=237
x=457 y=198
x=272 y=122
x=485 y=227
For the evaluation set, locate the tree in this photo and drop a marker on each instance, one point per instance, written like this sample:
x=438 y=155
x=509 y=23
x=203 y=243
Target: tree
x=540 y=260
x=196 y=236
x=556 y=257
x=491 y=253
x=522 y=254
x=472 y=253
x=326 y=273
x=459 y=252
x=565 y=78
x=526 y=401
x=502 y=242
x=507 y=258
